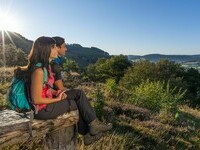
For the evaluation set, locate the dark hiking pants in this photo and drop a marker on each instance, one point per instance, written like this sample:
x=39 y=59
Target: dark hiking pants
x=76 y=99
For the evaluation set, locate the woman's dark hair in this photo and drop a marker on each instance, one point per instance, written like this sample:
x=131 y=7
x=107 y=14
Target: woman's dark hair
x=59 y=40
x=39 y=53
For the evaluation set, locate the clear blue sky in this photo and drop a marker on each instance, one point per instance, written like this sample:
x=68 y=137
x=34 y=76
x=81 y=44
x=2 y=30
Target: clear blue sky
x=135 y=27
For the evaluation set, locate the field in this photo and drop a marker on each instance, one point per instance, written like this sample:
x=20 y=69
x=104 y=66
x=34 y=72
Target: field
x=135 y=127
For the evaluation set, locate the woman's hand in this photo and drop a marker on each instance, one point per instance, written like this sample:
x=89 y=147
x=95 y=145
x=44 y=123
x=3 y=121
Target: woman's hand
x=60 y=95
x=64 y=96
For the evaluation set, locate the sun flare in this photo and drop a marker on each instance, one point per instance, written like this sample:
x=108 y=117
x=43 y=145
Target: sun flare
x=8 y=22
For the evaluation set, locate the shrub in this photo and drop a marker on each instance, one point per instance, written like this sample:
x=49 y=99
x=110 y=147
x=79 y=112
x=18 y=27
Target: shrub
x=156 y=96
x=70 y=65
x=111 y=89
x=3 y=91
x=103 y=69
x=111 y=85
x=99 y=102
x=163 y=70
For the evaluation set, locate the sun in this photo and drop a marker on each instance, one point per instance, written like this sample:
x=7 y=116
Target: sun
x=8 y=22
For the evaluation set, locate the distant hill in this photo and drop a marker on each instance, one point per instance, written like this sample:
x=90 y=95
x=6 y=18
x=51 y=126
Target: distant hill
x=86 y=55
x=175 y=58
x=83 y=55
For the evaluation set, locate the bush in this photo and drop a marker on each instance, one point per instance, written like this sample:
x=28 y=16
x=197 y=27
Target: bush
x=156 y=96
x=99 y=102
x=110 y=89
x=192 y=80
x=163 y=70
x=111 y=85
x=103 y=69
x=3 y=91
x=70 y=65
x=139 y=72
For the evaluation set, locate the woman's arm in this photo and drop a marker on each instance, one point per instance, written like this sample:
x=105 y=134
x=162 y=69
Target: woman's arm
x=36 y=89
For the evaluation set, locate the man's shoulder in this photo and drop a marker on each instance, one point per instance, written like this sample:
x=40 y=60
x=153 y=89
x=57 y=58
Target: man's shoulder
x=53 y=63
x=55 y=67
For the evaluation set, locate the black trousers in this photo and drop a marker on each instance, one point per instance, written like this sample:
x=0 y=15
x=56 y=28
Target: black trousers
x=76 y=99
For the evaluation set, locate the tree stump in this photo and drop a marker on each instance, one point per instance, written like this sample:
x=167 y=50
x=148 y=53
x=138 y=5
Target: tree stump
x=57 y=133
x=62 y=139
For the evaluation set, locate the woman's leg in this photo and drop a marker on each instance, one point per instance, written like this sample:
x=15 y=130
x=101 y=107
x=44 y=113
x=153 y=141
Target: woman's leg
x=76 y=99
x=53 y=110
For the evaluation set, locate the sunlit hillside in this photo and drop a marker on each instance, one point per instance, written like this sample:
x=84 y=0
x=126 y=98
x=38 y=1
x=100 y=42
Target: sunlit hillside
x=82 y=55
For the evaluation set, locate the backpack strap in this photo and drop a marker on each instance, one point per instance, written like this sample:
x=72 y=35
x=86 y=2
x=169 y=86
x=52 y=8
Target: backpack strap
x=38 y=65
x=45 y=75
x=45 y=72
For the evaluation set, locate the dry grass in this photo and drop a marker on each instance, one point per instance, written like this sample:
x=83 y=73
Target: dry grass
x=133 y=132
x=6 y=74
x=149 y=130
x=6 y=71
x=3 y=93
x=138 y=128
x=183 y=133
x=112 y=141
x=191 y=111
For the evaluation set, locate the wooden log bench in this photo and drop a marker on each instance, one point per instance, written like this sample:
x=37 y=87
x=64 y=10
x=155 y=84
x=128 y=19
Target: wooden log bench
x=18 y=128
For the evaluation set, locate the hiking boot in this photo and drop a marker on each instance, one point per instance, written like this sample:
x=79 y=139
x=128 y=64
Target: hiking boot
x=96 y=127
x=89 y=139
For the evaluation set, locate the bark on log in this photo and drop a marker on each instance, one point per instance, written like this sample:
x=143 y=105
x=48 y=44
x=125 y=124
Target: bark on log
x=62 y=139
x=15 y=128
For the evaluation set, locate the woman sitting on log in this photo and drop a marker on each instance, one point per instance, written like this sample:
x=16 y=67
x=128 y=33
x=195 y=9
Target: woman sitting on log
x=52 y=103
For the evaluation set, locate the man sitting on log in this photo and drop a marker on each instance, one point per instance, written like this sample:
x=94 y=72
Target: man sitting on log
x=88 y=125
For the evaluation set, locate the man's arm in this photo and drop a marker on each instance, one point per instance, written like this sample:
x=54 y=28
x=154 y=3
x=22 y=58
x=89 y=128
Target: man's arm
x=59 y=85
x=56 y=69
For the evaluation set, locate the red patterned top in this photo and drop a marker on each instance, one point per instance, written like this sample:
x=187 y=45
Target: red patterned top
x=46 y=90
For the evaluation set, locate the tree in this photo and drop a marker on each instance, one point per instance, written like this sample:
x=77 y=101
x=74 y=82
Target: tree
x=192 y=79
x=163 y=70
x=103 y=69
x=139 y=72
x=166 y=70
x=70 y=65
x=13 y=56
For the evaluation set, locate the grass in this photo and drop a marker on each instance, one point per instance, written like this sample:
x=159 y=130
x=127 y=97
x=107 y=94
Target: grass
x=3 y=92
x=140 y=128
x=6 y=75
x=113 y=141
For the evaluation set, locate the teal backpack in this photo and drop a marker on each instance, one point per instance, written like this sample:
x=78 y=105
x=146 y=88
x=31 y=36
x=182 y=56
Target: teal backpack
x=19 y=98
